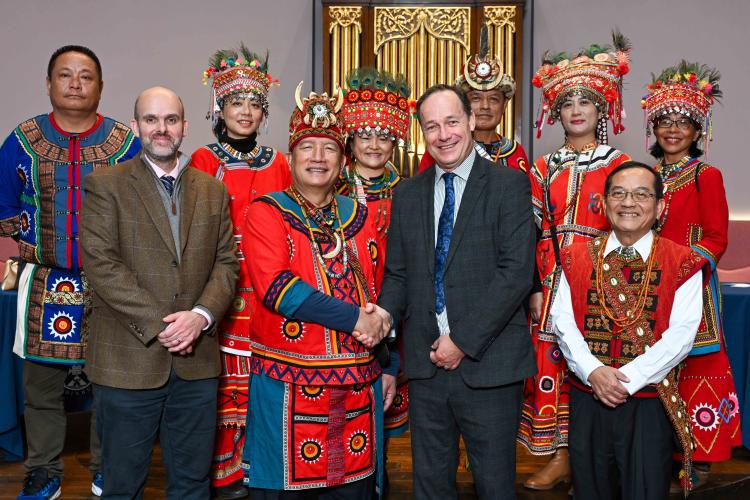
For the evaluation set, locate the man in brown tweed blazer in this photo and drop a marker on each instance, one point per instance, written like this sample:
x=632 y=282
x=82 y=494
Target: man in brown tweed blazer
x=157 y=242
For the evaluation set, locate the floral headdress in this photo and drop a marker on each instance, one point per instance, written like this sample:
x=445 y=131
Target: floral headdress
x=595 y=72
x=318 y=116
x=377 y=102
x=483 y=73
x=689 y=89
x=237 y=73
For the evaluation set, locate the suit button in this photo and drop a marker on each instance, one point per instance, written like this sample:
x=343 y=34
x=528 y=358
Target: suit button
x=174 y=263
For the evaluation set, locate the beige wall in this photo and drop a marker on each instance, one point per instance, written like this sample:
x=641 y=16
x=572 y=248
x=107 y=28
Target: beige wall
x=153 y=42
x=148 y=42
x=662 y=32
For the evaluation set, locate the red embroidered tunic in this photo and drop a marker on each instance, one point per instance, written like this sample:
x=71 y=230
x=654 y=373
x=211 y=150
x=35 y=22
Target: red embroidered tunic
x=266 y=171
x=569 y=188
x=697 y=216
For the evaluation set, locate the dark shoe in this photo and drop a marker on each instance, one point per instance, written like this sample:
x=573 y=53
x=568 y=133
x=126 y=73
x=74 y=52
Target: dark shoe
x=97 y=483
x=233 y=491
x=39 y=486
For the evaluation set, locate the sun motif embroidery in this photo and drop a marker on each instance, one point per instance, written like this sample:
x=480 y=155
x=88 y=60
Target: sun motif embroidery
x=357 y=442
x=310 y=450
x=62 y=326
x=705 y=417
x=312 y=391
x=25 y=222
x=65 y=284
x=734 y=404
x=292 y=330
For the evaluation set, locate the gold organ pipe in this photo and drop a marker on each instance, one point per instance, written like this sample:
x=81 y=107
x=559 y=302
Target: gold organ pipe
x=402 y=45
x=347 y=66
x=436 y=59
x=335 y=54
x=355 y=48
x=394 y=57
x=511 y=67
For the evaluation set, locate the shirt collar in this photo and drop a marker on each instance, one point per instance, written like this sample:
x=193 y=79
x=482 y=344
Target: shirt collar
x=462 y=171
x=180 y=160
x=642 y=246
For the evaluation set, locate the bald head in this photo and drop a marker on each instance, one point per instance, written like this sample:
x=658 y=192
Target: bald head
x=160 y=123
x=157 y=92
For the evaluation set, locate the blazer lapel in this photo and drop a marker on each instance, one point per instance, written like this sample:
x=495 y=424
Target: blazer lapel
x=188 y=194
x=474 y=187
x=427 y=195
x=143 y=184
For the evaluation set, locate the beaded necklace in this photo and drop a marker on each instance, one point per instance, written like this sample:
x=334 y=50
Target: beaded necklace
x=554 y=164
x=668 y=173
x=359 y=188
x=631 y=316
x=311 y=212
x=240 y=155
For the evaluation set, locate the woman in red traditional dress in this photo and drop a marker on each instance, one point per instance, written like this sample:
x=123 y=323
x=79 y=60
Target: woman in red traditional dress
x=567 y=189
x=376 y=114
x=678 y=111
x=240 y=84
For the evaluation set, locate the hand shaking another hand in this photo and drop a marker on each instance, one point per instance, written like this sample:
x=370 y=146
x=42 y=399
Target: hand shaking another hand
x=373 y=325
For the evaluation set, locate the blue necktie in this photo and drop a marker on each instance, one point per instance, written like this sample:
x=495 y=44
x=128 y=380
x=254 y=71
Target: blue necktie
x=168 y=182
x=443 y=243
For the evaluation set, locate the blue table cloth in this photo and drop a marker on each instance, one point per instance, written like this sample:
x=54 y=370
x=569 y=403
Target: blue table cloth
x=736 y=313
x=11 y=381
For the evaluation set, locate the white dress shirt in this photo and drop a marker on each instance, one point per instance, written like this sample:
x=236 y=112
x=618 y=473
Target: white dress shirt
x=459 y=185
x=653 y=365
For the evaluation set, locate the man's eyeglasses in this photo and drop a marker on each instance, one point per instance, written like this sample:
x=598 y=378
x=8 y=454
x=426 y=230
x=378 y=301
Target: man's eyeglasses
x=638 y=196
x=682 y=123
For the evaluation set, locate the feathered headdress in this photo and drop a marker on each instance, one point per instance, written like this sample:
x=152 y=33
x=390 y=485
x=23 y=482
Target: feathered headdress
x=377 y=102
x=483 y=73
x=318 y=116
x=595 y=72
x=689 y=89
x=237 y=72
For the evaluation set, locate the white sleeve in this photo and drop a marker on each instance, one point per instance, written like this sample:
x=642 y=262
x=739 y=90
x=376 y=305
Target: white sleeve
x=570 y=339
x=653 y=365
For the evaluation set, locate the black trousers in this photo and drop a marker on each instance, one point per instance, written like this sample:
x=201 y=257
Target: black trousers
x=443 y=408
x=358 y=490
x=181 y=413
x=619 y=453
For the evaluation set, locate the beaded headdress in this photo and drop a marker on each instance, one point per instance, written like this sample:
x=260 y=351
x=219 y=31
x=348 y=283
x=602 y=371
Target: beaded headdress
x=596 y=72
x=689 y=89
x=484 y=73
x=237 y=73
x=377 y=102
x=317 y=116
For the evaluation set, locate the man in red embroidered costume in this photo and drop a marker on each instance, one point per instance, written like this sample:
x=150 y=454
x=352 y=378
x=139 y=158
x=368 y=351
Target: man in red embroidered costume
x=489 y=90
x=678 y=111
x=582 y=92
x=42 y=166
x=240 y=84
x=315 y=393
x=626 y=312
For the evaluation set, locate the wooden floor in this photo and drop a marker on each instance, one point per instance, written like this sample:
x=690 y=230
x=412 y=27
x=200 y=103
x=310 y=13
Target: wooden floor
x=729 y=480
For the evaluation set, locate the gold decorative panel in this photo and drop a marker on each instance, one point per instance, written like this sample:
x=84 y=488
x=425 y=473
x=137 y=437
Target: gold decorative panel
x=344 y=31
x=427 y=44
x=501 y=24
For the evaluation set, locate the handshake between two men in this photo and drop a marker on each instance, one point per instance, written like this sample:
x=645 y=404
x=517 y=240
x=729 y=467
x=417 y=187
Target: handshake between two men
x=373 y=325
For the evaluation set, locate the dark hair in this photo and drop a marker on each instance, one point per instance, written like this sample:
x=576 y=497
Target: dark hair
x=658 y=184
x=74 y=48
x=694 y=151
x=219 y=127
x=440 y=87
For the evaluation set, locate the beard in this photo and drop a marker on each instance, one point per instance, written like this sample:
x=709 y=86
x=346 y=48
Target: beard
x=161 y=153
